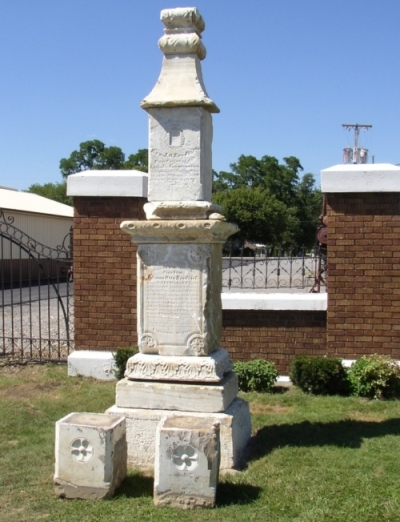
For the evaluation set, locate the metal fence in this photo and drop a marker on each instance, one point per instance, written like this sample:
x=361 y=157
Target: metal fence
x=36 y=307
x=262 y=268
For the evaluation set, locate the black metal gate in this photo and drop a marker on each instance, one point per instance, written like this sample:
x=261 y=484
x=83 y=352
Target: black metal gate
x=36 y=288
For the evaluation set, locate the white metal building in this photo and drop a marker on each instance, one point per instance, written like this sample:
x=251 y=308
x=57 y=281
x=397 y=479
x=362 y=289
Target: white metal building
x=43 y=219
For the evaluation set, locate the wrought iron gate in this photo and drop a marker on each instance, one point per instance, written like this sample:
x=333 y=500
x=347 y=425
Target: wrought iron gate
x=36 y=288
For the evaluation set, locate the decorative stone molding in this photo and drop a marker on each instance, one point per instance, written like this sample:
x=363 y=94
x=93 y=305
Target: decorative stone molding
x=177 y=231
x=183 y=369
x=182 y=19
x=182 y=44
x=182 y=210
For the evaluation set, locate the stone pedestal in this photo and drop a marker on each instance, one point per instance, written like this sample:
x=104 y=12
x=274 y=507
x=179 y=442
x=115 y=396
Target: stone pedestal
x=181 y=371
x=141 y=425
x=186 y=463
x=91 y=455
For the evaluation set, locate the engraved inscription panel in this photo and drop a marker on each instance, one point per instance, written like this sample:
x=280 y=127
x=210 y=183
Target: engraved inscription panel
x=178 y=155
x=172 y=292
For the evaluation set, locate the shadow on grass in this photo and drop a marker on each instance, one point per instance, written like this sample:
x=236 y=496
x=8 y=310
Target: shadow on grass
x=138 y=485
x=345 y=433
x=135 y=485
x=229 y=494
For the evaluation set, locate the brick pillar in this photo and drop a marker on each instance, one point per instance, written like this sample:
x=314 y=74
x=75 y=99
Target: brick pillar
x=363 y=206
x=105 y=259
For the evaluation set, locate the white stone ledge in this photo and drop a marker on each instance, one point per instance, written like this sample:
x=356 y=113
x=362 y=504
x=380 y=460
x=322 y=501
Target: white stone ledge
x=91 y=363
x=103 y=183
x=373 y=177
x=251 y=301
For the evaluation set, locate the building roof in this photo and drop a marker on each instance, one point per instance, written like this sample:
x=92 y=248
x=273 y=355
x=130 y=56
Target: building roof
x=11 y=199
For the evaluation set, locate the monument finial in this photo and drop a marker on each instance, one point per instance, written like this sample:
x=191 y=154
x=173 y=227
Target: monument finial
x=183 y=28
x=180 y=83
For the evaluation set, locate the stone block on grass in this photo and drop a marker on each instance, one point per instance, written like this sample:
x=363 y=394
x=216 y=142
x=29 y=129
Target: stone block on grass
x=91 y=455
x=186 y=462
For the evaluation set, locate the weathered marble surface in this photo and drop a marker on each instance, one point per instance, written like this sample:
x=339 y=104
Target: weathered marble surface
x=215 y=397
x=181 y=82
x=180 y=154
x=179 y=299
x=179 y=231
x=182 y=369
x=90 y=454
x=141 y=425
x=178 y=210
x=186 y=463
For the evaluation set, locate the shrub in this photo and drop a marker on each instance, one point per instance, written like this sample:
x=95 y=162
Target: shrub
x=375 y=376
x=320 y=375
x=121 y=357
x=257 y=375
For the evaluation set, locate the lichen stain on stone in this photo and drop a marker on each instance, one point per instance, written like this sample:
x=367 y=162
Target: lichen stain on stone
x=147 y=276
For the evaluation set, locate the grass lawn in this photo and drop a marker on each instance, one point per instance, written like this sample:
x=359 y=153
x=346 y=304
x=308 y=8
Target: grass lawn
x=314 y=459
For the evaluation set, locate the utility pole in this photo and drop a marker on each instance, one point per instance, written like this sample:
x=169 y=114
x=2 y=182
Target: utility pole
x=358 y=154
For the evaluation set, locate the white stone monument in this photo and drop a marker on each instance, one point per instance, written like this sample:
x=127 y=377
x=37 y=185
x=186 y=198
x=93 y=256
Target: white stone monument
x=181 y=369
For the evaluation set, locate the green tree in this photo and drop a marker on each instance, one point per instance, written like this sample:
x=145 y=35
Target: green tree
x=138 y=161
x=95 y=155
x=91 y=155
x=299 y=196
x=261 y=217
x=55 y=191
x=308 y=209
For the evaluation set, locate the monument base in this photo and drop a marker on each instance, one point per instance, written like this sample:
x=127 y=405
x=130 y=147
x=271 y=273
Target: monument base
x=181 y=396
x=141 y=425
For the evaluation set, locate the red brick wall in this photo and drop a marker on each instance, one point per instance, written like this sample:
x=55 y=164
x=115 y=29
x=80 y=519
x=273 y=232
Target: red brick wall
x=104 y=272
x=364 y=274
x=273 y=335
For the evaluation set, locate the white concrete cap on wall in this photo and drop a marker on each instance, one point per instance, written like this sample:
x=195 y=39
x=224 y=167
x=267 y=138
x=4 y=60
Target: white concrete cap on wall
x=254 y=301
x=117 y=183
x=92 y=363
x=371 y=177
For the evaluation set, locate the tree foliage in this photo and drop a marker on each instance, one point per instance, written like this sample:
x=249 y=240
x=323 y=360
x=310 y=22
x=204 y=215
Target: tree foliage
x=90 y=155
x=138 y=161
x=269 y=201
x=94 y=155
x=55 y=191
x=261 y=217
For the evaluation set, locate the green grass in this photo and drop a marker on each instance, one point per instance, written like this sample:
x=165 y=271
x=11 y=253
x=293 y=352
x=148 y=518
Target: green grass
x=313 y=459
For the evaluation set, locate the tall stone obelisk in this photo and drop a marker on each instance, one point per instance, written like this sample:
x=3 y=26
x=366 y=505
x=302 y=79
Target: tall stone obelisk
x=181 y=367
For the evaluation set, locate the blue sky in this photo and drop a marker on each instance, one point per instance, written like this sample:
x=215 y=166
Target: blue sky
x=285 y=73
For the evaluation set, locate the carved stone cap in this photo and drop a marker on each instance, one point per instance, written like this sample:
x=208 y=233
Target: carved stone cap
x=182 y=18
x=180 y=83
x=183 y=30
x=179 y=231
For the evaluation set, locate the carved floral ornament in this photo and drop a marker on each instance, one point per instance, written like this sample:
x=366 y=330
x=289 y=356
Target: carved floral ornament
x=195 y=345
x=185 y=458
x=199 y=369
x=147 y=343
x=81 y=450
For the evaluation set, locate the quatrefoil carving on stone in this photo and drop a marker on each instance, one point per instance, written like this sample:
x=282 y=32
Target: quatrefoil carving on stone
x=81 y=450
x=185 y=458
